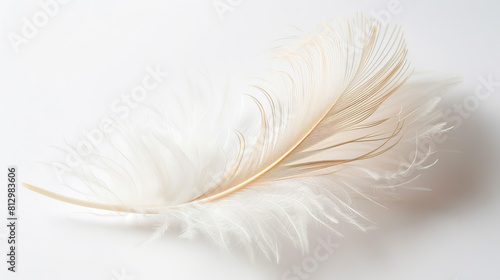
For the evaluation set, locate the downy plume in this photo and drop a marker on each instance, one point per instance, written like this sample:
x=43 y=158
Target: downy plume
x=341 y=117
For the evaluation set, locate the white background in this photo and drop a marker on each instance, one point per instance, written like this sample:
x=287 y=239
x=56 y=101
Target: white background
x=66 y=77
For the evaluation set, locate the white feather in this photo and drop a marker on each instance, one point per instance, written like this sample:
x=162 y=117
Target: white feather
x=342 y=116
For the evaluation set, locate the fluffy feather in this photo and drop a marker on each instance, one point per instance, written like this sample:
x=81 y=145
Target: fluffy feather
x=335 y=120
